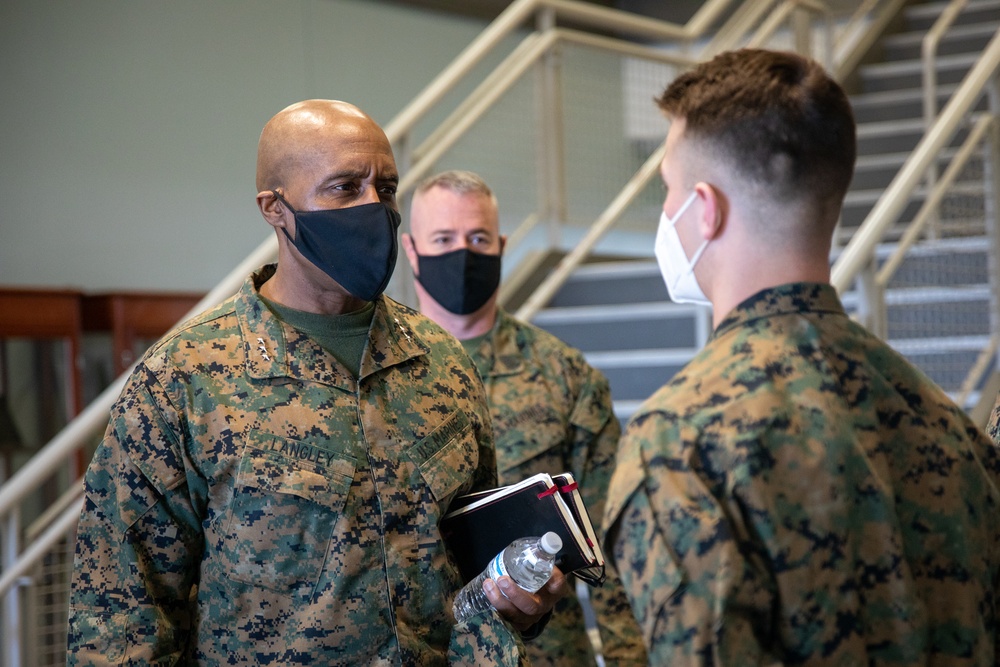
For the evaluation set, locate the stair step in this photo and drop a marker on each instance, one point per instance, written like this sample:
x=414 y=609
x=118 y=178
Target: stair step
x=603 y=283
x=879 y=161
x=940 y=345
x=625 y=409
x=957 y=39
x=909 y=73
x=869 y=197
x=897 y=136
x=959 y=61
x=627 y=326
x=645 y=358
x=598 y=313
x=917 y=296
x=890 y=128
x=876 y=171
x=903 y=104
x=923 y=16
x=636 y=383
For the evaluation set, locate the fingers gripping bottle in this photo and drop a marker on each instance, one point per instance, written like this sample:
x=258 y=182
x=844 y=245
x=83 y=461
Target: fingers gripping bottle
x=528 y=561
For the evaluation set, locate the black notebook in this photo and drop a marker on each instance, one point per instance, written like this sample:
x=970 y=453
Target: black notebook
x=479 y=525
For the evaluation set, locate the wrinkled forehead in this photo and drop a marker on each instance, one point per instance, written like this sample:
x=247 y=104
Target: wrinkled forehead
x=351 y=148
x=442 y=209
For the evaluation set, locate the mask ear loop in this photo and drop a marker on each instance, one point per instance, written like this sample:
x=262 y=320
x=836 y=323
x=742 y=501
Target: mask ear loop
x=677 y=216
x=277 y=195
x=284 y=201
x=704 y=244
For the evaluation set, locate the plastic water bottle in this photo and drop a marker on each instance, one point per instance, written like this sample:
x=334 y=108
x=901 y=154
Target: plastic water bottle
x=528 y=561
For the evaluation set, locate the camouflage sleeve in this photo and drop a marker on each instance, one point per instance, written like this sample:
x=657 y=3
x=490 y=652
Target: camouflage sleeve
x=138 y=545
x=486 y=639
x=993 y=428
x=697 y=598
x=596 y=433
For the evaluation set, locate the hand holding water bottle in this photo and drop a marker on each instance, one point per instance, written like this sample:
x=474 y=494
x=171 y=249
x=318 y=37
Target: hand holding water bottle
x=529 y=562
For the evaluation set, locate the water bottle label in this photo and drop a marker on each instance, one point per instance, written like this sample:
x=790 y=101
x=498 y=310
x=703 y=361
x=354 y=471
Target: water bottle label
x=496 y=568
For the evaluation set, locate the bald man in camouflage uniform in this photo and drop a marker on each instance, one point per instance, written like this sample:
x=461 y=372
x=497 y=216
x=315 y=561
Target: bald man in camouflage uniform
x=269 y=487
x=798 y=493
x=551 y=410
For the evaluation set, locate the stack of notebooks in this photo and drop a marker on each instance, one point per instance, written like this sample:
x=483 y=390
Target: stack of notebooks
x=479 y=525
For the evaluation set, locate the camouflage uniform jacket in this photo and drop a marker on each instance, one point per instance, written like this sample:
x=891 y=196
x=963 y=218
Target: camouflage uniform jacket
x=800 y=494
x=552 y=413
x=254 y=503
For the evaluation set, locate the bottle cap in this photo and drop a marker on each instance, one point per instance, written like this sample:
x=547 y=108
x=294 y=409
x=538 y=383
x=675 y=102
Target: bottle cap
x=551 y=543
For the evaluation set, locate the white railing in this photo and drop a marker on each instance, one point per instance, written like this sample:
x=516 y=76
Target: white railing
x=856 y=264
x=860 y=249
x=753 y=25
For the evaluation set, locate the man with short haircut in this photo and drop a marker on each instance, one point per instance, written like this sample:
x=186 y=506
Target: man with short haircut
x=798 y=494
x=269 y=488
x=551 y=410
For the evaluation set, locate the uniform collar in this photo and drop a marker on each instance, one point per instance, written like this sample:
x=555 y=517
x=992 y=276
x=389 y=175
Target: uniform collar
x=782 y=300
x=275 y=349
x=500 y=353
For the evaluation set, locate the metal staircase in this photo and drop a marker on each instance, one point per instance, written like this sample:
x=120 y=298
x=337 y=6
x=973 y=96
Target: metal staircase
x=939 y=304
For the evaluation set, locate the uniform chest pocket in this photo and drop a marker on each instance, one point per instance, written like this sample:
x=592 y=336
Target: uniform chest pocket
x=447 y=457
x=286 y=503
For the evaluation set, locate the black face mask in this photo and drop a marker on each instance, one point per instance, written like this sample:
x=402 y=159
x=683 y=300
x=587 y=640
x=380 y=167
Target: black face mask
x=355 y=246
x=462 y=281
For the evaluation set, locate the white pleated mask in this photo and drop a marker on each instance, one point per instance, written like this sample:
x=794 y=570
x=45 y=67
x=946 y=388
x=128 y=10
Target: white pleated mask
x=677 y=270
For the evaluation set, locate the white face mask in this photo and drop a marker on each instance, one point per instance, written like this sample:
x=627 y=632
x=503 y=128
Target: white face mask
x=677 y=271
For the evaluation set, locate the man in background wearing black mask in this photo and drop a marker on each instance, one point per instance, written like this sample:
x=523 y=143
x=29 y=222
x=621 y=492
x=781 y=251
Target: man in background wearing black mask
x=551 y=410
x=269 y=488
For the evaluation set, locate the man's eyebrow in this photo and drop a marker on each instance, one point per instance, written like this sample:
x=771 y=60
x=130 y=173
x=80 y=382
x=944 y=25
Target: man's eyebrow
x=359 y=174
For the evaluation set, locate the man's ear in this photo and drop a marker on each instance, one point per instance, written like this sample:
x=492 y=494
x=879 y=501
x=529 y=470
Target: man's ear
x=411 y=251
x=503 y=243
x=271 y=208
x=715 y=211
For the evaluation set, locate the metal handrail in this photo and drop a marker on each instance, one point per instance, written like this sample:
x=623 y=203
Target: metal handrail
x=33 y=554
x=913 y=231
x=503 y=77
x=95 y=416
x=572 y=260
x=928 y=56
x=860 y=249
x=858 y=37
x=544 y=293
x=515 y=16
x=984 y=361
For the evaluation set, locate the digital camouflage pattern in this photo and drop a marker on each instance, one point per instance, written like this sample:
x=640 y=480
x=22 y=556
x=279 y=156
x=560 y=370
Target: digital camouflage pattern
x=552 y=413
x=800 y=494
x=253 y=503
x=993 y=428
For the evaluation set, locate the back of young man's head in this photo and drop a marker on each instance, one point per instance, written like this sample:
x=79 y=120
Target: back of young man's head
x=775 y=119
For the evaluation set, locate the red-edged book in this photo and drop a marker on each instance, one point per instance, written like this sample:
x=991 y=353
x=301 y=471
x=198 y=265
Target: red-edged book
x=479 y=525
